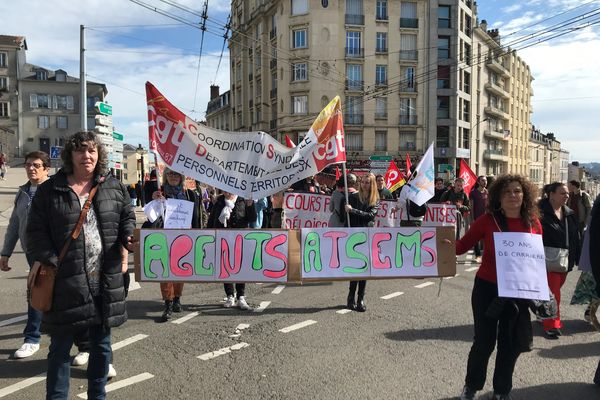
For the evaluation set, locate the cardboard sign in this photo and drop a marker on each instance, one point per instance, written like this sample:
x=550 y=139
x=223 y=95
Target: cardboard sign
x=178 y=214
x=521 y=266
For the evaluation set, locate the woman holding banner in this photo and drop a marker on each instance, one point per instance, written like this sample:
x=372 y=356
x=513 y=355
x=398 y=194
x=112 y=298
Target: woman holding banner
x=173 y=187
x=362 y=209
x=511 y=208
x=561 y=231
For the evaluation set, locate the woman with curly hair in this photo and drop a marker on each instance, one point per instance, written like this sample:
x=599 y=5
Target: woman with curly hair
x=511 y=208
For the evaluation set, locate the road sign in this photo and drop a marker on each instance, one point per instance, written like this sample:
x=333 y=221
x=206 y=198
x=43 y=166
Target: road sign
x=445 y=167
x=105 y=130
x=117 y=136
x=381 y=158
x=55 y=152
x=103 y=108
x=117 y=145
x=104 y=120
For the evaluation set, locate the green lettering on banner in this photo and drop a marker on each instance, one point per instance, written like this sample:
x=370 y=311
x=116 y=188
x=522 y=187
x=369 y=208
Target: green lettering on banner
x=312 y=246
x=354 y=240
x=410 y=241
x=260 y=239
x=200 y=255
x=156 y=248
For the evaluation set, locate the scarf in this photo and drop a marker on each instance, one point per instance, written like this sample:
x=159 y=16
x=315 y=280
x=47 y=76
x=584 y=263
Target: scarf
x=226 y=211
x=175 y=192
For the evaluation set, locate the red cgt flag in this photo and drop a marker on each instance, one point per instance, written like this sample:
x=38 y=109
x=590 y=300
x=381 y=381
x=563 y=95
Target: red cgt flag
x=394 y=178
x=466 y=173
x=288 y=142
x=338 y=173
x=408 y=164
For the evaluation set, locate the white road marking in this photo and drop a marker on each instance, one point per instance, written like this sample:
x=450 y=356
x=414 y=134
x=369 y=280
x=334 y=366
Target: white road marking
x=123 y=383
x=186 y=318
x=471 y=269
x=278 y=289
x=261 y=307
x=22 y=385
x=241 y=327
x=343 y=311
x=298 y=326
x=226 y=350
x=392 y=295
x=126 y=342
x=425 y=284
x=133 y=285
x=450 y=277
x=13 y=320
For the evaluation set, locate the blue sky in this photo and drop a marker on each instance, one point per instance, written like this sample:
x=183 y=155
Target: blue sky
x=152 y=47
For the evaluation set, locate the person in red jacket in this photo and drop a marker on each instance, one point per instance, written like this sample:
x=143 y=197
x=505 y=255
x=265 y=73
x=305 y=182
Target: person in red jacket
x=511 y=208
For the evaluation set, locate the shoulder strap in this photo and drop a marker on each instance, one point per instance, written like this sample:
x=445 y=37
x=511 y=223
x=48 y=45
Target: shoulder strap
x=567 y=229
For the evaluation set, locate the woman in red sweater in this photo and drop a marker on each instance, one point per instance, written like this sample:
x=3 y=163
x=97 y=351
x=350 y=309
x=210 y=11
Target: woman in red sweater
x=511 y=208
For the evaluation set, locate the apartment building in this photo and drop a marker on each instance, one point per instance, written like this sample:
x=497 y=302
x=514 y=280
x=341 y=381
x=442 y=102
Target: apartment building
x=12 y=57
x=218 y=111
x=547 y=161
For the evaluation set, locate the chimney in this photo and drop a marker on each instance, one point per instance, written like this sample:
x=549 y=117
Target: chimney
x=483 y=25
x=214 y=91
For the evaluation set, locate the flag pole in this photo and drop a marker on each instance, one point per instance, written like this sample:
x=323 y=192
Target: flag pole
x=346 y=192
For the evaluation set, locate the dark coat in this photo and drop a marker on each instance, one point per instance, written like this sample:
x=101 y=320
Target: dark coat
x=554 y=231
x=594 y=232
x=361 y=214
x=53 y=215
x=241 y=215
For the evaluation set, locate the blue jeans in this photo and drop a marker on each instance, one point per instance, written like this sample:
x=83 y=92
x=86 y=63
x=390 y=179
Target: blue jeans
x=34 y=318
x=59 y=364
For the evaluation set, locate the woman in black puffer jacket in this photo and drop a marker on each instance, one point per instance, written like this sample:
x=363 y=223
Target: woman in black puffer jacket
x=88 y=292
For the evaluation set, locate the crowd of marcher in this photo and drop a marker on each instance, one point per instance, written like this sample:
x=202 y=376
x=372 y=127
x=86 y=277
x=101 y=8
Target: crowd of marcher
x=92 y=276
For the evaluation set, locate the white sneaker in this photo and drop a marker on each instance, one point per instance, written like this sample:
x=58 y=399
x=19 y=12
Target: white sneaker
x=27 y=350
x=230 y=302
x=81 y=358
x=242 y=304
x=112 y=372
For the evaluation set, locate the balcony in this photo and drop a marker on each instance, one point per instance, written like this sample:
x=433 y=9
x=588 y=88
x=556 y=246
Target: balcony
x=381 y=50
x=272 y=34
x=412 y=23
x=355 y=85
x=497 y=90
x=495 y=155
x=407 y=87
x=354 y=119
x=273 y=93
x=354 y=52
x=381 y=115
x=408 y=55
x=407 y=119
x=500 y=135
x=273 y=63
x=381 y=83
x=407 y=146
x=496 y=65
x=497 y=112
x=355 y=19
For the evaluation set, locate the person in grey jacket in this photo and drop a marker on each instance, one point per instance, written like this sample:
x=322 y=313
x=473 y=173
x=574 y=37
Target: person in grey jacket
x=37 y=166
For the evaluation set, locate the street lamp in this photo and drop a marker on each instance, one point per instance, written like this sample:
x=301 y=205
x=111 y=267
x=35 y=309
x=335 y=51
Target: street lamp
x=140 y=150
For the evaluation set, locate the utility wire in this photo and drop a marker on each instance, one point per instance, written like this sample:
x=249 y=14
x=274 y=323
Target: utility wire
x=203 y=29
x=225 y=37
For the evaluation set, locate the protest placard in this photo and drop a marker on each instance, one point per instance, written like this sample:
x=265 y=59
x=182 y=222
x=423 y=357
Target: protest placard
x=178 y=214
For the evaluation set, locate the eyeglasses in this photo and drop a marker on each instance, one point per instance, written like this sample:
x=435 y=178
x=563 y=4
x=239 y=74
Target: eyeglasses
x=173 y=173
x=34 y=165
x=516 y=192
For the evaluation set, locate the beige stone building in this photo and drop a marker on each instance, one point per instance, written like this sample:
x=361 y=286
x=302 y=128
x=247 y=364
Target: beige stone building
x=218 y=111
x=12 y=58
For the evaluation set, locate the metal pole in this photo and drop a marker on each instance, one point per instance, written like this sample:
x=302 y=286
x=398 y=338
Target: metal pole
x=82 y=82
x=346 y=191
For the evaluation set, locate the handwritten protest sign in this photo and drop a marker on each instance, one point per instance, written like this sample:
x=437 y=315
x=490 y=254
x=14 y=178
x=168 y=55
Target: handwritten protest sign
x=309 y=210
x=178 y=214
x=249 y=164
x=521 y=266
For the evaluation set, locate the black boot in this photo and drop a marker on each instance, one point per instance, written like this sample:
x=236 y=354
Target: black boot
x=597 y=377
x=360 y=303
x=176 y=305
x=168 y=310
x=351 y=305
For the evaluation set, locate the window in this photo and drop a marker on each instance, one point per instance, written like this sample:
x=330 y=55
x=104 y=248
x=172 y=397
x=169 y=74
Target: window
x=443 y=107
x=258 y=60
x=4 y=109
x=3 y=57
x=299 y=39
x=381 y=107
x=442 y=138
x=443 y=16
x=353 y=44
x=408 y=115
x=443 y=78
x=408 y=15
x=380 y=140
x=41 y=75
x=62 y=102
x=443 y=47
x=299 y=72
x=467 y=83
x=408 y=141
x=299 y=7
x=408 y=47
x=300 y=104
x=468 y=54
x=3 y=82
x=381 y=42
x=466 y=110
x=466 y=139
x=354 y=12
x=62 y=122
x=354 y=76
x=353 y=141
x=39 y=101
x=381 y=12
x=409 y=79
x=60 y=76
x=43 y=121
x=381 y=75
x=353 y=111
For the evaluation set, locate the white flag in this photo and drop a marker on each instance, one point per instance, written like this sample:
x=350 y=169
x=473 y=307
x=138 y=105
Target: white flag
x=421 y=183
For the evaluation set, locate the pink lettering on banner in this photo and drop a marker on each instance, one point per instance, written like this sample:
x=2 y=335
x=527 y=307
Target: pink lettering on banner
x=226 y=268
x=334 y=261
x=376 y=251
x=271 y=250
x=426 y=236
x=180 y=247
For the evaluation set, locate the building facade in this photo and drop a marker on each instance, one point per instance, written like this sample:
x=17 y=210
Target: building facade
x=12 y=59
x=218 y=111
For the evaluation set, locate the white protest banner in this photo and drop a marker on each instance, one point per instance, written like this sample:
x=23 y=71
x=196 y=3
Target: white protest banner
x=521 y=266
x=249 y=164
x=178 y=214
x=421 y=182
x=309 y=210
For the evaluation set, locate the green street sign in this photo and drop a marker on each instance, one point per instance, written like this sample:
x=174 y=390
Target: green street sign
x=380 y=158
x=445 y=167
x=117 y=136
x=103 y=108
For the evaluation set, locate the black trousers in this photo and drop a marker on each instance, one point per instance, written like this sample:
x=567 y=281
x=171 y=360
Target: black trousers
x=240 y=288
x=487 y=331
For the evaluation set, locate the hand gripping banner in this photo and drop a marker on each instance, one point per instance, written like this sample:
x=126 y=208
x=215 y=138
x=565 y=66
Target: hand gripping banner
x=249 y=164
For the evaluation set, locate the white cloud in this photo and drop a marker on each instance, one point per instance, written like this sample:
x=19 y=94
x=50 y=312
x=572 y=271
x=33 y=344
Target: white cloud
x=512 y=8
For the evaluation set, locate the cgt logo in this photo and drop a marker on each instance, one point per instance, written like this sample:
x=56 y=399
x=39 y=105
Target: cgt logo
x=166 y=134
x=330 y=147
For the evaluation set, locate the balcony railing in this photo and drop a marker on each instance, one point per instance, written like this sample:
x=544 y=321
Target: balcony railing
x=355 y=52
x=381 y=115
x=409 y=23
x=354 y=119
x=502 y=135
x=381 y=82
x=355 y=19
x=496 y=65
x=354 y=85
x=407 y=120
x=407 y=88
x=408 y=146
x=381 y=50
x=495 y=154
x=408 y=55
x=273 y=63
